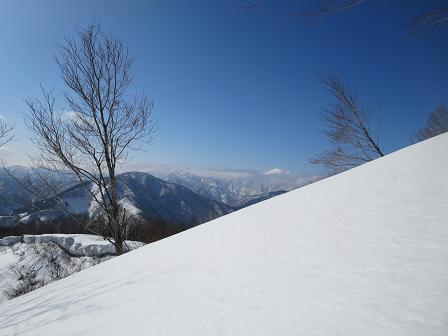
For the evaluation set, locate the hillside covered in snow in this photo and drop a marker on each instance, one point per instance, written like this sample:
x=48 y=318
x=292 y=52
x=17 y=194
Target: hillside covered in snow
x=361 y=253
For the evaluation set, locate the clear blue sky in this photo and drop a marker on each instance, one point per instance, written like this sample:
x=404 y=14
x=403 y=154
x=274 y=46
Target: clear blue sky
x=233 y=88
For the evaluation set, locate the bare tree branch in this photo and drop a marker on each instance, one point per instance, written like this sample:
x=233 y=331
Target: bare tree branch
x=249 y=5
x=326 y=7
x=428 y=21
x=5 y=132
x=43 y=185
x=437 y=124
x=347 y=126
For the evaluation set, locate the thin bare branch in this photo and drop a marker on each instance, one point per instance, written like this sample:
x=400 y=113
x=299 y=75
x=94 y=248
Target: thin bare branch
x=437 y=124
x=428 y=21
x=6 y=134
x=347 y=127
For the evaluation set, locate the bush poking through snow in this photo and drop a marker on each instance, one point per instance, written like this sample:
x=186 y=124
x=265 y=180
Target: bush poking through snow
x=26 y=281
x=31 y=261
x=41 y=263
x=25 y=274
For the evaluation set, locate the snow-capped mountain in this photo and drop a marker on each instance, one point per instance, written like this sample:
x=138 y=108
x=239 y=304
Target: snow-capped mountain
x=361 y=253
x=233 y=189
x=140 y=193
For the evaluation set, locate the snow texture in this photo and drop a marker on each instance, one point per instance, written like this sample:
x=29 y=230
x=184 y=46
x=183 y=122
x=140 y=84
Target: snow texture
x=361 y=253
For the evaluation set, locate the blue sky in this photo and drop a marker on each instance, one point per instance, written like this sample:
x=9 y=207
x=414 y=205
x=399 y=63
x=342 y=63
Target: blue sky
x=232 y=88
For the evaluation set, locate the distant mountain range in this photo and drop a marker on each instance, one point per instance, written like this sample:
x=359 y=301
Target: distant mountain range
x=234 y=189
x=179 y=197
x=13 y=195
x=140 y=193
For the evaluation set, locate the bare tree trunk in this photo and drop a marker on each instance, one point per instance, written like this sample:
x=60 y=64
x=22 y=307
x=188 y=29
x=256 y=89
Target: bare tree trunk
x=118 y=247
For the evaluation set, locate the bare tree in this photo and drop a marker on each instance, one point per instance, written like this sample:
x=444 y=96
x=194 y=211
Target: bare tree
x=437 y=124
x=104 y=125
x=430 y=21
x=348 y=127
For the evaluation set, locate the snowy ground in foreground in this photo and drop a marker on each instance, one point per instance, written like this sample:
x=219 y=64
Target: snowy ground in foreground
x=361 y=253
x=40 y=254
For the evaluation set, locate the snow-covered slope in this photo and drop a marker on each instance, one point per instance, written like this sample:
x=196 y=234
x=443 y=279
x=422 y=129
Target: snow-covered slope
x=361 y=253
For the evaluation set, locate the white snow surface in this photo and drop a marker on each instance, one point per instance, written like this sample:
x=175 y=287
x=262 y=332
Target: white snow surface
x=361 y=253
